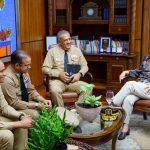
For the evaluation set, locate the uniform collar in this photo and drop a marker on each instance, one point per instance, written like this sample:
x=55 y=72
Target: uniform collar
x=63 y=49
x=14 y=71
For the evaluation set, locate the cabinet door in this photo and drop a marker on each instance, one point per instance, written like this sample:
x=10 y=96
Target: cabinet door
x=61 y=15
x=119 y=17
x=113 y=73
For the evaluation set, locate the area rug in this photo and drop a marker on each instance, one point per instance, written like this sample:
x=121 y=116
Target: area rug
x=139 y=138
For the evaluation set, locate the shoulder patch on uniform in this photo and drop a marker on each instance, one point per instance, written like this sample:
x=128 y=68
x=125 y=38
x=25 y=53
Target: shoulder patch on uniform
x=52 y=46
x=74 y=45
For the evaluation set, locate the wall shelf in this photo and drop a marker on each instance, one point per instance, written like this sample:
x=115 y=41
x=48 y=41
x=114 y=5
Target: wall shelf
x=90 y=22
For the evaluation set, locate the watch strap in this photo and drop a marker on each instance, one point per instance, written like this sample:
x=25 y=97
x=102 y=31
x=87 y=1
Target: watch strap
x=21 y=115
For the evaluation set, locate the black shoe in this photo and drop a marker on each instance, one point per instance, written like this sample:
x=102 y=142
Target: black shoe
x=123 y=135
x=61 y=146
x=77 y=129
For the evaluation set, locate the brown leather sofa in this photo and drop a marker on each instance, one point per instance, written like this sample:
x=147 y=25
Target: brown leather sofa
x=143 y=105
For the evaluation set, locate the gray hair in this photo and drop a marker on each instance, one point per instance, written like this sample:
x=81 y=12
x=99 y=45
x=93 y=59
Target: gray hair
x=60 y=33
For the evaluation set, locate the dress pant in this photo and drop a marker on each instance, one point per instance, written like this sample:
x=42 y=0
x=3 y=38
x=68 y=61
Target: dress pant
x=31 y=112
x=128 y=95
x=57 y=87
x=6 y=140
x=14 y=139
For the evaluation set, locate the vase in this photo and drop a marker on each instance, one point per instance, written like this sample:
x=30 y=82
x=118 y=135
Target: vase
x=88 y=114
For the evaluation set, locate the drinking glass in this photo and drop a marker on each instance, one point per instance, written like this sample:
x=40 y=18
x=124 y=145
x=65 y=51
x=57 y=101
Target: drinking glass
x=109 y=96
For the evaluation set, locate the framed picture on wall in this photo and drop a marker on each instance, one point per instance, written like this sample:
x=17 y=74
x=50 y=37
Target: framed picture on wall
x=105 y=44
x=8 y=28
x=50 y=40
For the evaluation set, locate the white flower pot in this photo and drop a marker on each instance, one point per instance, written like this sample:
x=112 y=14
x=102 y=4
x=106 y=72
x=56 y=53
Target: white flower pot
x=88 y=114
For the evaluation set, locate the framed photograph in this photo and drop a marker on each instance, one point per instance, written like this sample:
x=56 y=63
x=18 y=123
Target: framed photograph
x=8 y=28
x=50 y=40
x=105 y=44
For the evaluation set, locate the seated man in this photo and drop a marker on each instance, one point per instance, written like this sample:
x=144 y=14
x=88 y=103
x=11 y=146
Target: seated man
x=17 y=87
x=55 y=65
x=133 y=91
x=8 y=121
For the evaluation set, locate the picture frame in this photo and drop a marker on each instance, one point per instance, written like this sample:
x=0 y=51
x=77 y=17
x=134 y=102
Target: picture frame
x=105 y=44
x=9 y=29
x=50 y=40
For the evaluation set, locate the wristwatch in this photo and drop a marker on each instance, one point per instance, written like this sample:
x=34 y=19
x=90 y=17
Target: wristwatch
x=36 y=106
x=21 y=115
x=81 y=74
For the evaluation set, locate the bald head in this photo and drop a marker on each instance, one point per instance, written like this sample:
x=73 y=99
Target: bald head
x=61 y=33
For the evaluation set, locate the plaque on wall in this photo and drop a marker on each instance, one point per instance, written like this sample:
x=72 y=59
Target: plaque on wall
x=90 y=11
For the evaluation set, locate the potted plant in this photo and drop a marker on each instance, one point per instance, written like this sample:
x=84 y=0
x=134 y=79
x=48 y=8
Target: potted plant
x=91 y=105
x=50 y=131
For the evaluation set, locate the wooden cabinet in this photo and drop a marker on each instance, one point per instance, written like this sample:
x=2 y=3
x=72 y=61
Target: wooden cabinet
x=60 y=15
x=106 y=69
x=112 y=19
x=119 y=22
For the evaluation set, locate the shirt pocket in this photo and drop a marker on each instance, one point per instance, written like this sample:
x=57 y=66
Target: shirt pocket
x=18 y=91
x=17 y=87
x=75 y=59
x=59 y=61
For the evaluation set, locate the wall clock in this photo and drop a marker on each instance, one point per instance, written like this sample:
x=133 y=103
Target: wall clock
x=89 y=11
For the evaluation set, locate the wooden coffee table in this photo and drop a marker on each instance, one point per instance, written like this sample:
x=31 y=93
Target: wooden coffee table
x=93 y=134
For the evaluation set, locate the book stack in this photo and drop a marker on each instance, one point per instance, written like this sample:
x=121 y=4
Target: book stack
x=120 y=46
x=93 y=46
x=120 y=6
x=88 y=46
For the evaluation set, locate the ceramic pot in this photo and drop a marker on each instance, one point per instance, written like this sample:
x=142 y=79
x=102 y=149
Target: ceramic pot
x=88 y=114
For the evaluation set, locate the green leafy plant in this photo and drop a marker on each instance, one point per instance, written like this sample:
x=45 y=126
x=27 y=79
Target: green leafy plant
x=91 y=100
x=50 y=130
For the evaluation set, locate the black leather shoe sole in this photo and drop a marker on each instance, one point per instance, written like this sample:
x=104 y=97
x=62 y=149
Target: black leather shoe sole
x=77 y=129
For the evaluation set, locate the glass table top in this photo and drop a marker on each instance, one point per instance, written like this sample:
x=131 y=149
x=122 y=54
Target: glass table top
x=103 y=121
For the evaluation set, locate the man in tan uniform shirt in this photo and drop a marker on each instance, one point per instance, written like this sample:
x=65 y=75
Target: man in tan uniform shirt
x=54 y=67
x=11 y=87
x=11 y=140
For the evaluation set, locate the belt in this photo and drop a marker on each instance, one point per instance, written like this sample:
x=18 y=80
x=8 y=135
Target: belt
x=54 y=78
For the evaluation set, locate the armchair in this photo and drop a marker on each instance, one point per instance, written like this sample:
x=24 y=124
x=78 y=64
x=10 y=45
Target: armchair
x=68 y=96
x=142 y=105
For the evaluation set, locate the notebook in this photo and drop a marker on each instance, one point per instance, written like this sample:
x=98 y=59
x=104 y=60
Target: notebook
x=73 y=68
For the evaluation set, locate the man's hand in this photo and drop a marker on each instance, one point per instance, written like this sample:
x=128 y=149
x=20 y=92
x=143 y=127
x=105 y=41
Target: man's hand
x=64 y=76
x=26 y=122
x=47 y=104
x=123 y=75
x=75 y=77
